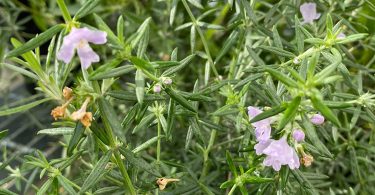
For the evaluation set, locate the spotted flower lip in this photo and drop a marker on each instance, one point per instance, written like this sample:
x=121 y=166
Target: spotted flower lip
x=309 y=14
x=79 y=38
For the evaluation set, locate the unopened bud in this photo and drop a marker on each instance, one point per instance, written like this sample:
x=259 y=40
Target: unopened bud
x=157 y=88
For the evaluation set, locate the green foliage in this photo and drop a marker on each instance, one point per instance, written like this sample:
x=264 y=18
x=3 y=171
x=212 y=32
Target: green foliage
x=211 y=60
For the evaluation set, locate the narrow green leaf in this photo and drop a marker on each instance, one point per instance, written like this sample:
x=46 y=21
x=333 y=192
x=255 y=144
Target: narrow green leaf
x=255 y=57
x=37 y=41
x=147 y=144
x=192 y=38
x=171 y=117
x=268 y=113
x=131 y=96
x=3 y=133
x=77 y=135
x=116 y=72
x=142 y=30
x=6 y=192
x=315 y=41
x=66 y=184
x=329 y=26
x=69 y=161
x=145 y=122
x=173 y=12
x=282 y=77
x=299 y=35
x=142 y=64
x=109 y=116
x=227 y=184
x=175 y=69
x=57 y=131
x=255 y=180
x=112 y=38
x=43 y=190
x=277 y=51
x=196 y=3
x=22 y=108
x=120 y=28
x=321 y=107
x=97 y=172
x=352 y=38
x=181 y=100
x=139 y=162
x=289 y=113
x=86 y=9
x=139 y=86
x=20 y=70
x=189 y=137
x=313 y=61
x=231 y=164
x=227 y=45
x=313 y=136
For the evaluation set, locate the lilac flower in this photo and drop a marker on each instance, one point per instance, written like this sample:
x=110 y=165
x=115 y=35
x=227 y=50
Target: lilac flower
x=261 y=146
x=167 y=81
x=298 y=135
x=78 y=39
x=308 y=11
x=340 y=36
x=157 y=88
x=279 y=153
x=317 y=119
x=262 y=127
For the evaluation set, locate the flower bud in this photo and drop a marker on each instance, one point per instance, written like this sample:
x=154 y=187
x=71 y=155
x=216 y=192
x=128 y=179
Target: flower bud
x=317 y=119
x=157 y=88
x=167 y=81
x=298 y=135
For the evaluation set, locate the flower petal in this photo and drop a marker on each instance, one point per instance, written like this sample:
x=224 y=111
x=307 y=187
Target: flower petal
x=94 y=36
x=259 y=147
x=86 y=55
x=66 y=52
x=308 y=11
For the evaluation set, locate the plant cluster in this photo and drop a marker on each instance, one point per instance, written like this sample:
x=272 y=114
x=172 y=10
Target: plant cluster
x=195 y=96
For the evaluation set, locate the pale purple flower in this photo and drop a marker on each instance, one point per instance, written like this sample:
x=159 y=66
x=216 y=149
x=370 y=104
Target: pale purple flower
x=167 y=81
x=260 y=146
x=308 y=11
x=157 y=88
x=298 y=135
x=79 y=39
x=340 y=36
x=262 y=127
x=278 y=153
x=317 y=119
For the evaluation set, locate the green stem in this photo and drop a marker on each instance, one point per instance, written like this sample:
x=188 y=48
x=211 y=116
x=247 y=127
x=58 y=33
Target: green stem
x=205 y=45
x=127 y=181
x=206 y=153
x=124 y=173
x=158 y=144
x=64 y=11
x=232 y=189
